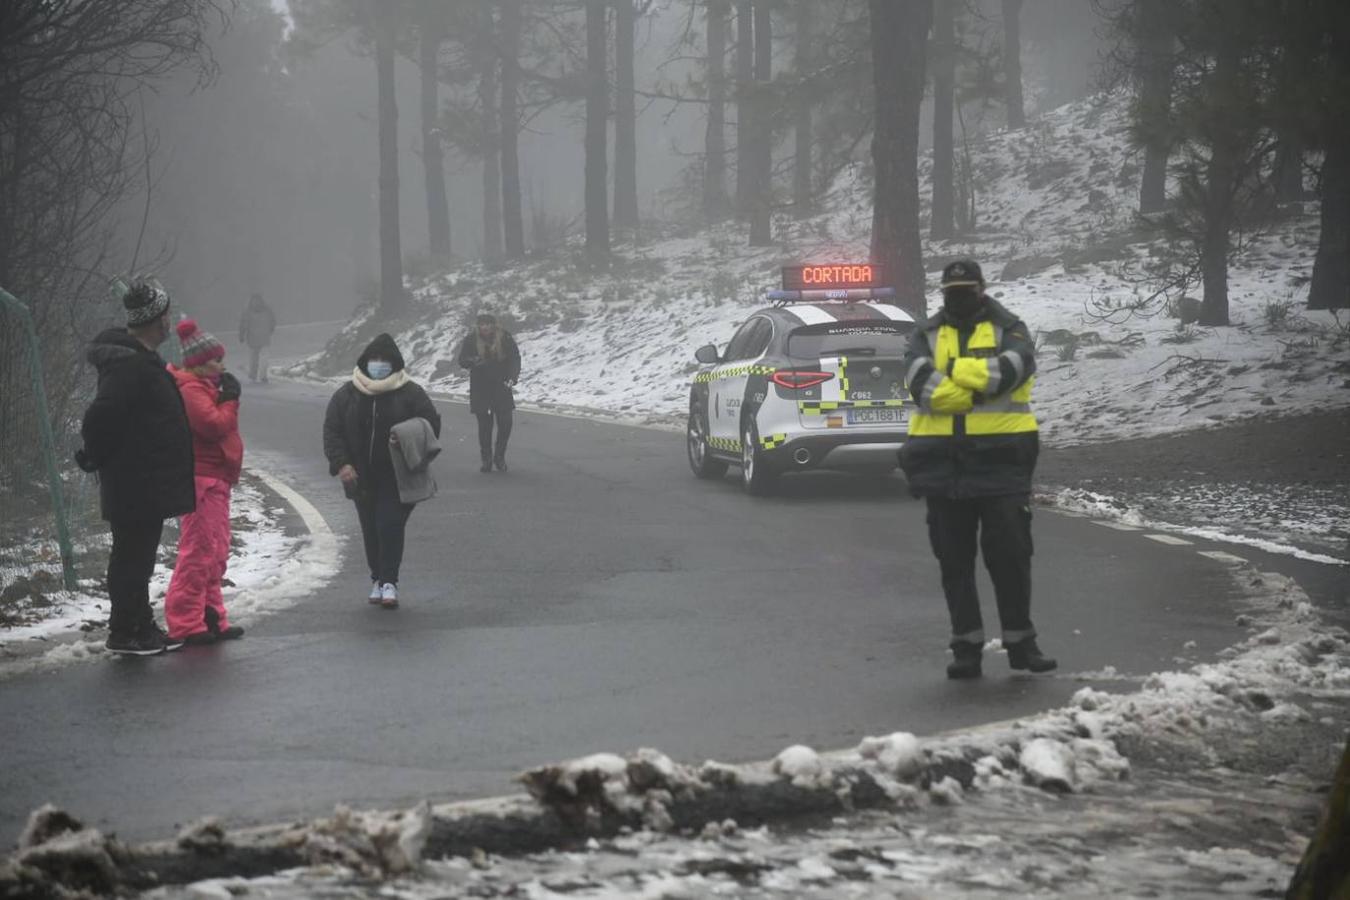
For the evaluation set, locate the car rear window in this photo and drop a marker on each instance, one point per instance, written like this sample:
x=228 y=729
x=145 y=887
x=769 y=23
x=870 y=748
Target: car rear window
x=866 y=338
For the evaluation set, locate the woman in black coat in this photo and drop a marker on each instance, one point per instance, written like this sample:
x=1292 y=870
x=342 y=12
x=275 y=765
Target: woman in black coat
x=356 y=442
x=493 y=360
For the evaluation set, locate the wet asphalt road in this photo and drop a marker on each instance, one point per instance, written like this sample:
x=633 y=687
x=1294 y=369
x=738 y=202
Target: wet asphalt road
x=596 y=597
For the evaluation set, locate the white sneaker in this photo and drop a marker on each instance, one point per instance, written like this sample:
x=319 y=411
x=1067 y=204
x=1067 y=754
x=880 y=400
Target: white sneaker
x=389 y=596
x=376 y=594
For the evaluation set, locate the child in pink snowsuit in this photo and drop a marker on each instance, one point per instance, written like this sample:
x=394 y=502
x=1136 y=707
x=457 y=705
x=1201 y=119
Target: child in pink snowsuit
x=194 y=609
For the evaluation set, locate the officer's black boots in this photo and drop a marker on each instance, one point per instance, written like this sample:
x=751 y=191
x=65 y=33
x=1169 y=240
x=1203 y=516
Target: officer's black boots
x=967 y=660
x=1026 y=655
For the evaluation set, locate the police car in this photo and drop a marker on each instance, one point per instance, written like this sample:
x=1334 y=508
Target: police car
x=812 y=382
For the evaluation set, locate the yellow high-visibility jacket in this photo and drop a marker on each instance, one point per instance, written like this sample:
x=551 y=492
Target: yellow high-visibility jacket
x=973 y=432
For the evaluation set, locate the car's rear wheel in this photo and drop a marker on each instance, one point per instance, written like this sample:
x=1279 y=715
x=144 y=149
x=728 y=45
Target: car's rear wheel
x=701 y=459
x=756 y=476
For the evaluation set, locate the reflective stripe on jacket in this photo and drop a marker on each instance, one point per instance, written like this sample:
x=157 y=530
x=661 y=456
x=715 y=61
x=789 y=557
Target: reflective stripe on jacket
x=973 y=433
x=982 y=387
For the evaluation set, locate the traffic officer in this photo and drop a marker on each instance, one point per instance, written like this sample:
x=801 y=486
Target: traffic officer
x=971 y=451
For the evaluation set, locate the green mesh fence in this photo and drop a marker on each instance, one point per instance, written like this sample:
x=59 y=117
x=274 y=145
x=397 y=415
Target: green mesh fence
x=53 y=542
x=51 y=536
x=37 y=558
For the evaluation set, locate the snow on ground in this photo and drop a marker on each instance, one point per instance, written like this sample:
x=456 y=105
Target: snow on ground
x=1301 y=521
x=266 y=564
x=1057 y=236
x=1049 y=805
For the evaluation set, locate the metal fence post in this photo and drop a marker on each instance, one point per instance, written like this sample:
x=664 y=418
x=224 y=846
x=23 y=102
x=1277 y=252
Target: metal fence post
x=48 y=440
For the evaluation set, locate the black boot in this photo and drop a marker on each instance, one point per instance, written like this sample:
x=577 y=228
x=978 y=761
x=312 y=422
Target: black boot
x=487 y=464
x=967 y=660
x=500 y=462
x=1026 y=655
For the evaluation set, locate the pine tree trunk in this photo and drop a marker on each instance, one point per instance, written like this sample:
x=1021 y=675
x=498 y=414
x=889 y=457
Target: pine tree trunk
x=1324 y=870
x=715 y=141
x=1220 y=183
x=492 y=170
x=513 y=225
x=899 y=34
x=625 y=119
x=392 y=300
x=1289 y=168
x=597 y=127
x=801 y=166
x=745 y=75
x=942 y=224
x=1155 y=101
x=1330 y=287
x=432 y=35
x=1012 y=63
x=761 y=200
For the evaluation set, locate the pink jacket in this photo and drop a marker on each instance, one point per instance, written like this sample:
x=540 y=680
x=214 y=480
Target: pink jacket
x=217 y=448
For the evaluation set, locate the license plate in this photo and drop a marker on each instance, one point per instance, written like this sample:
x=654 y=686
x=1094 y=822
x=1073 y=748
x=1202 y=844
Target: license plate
x=875 y=416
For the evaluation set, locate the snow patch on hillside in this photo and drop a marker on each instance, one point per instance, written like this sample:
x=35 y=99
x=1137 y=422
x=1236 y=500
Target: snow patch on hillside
x=1057 y=238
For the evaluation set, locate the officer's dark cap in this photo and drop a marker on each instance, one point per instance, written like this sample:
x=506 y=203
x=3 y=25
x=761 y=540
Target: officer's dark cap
x=962 y=273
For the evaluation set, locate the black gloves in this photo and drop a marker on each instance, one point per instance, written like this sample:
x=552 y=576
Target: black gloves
x=229 y=388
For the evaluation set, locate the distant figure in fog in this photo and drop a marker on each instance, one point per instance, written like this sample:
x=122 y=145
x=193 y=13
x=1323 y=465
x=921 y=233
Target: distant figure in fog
x=194 y=609
x=971 y=451
x=372 y=439
x=493 y=360
x=137 y=438
x=255 y=329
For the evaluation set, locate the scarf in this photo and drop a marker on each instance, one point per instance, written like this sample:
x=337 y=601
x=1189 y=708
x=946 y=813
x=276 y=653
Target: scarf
x=370 y=387
x=490 y=350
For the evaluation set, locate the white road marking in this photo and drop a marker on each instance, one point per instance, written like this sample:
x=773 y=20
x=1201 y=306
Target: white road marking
x=1223 y=557
x=1169 y=540
x=1118 y=526
x=313 y=519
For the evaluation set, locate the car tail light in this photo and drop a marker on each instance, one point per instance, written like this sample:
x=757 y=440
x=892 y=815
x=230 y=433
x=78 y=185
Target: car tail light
x=800 y=380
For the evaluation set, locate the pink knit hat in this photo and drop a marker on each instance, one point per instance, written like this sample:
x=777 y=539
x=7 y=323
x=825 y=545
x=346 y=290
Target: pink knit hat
x=199 y=348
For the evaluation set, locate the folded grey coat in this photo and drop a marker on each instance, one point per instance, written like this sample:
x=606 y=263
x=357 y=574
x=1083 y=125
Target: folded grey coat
x=416 y=446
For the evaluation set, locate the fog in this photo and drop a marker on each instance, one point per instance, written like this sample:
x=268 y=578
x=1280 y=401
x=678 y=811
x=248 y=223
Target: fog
x=264 y=179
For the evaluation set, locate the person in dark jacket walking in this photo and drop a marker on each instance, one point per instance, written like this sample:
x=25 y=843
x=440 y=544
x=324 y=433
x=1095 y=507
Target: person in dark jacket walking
x=971 y=452
x=356 y=440
x=255 y=329
x=136 y=437
x=493 y=360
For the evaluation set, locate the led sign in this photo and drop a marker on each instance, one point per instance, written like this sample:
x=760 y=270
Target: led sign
x=832 y=276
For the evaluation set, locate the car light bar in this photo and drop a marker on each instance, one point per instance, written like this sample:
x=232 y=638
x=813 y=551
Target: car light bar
x=833 y=276
x=783 y=297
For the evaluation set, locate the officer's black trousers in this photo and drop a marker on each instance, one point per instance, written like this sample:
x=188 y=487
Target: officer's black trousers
x=1003 y=526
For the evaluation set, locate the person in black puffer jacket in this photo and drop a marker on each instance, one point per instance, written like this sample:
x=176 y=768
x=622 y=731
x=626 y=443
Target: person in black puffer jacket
x=356 y=442
x=136 y=437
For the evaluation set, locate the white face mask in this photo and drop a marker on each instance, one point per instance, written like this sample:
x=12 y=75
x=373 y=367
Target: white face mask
x=379 y=369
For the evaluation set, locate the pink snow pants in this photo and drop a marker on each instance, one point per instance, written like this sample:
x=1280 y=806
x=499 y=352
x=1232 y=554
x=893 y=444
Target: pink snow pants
x=203 y=551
